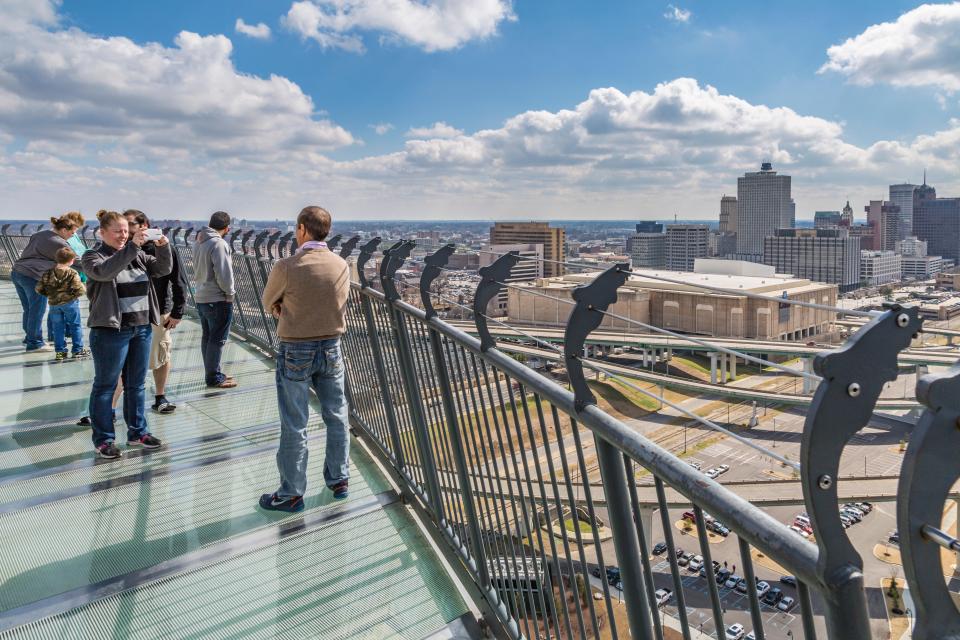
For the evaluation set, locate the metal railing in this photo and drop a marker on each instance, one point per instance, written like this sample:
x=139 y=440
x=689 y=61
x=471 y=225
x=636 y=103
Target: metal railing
x=499 y=457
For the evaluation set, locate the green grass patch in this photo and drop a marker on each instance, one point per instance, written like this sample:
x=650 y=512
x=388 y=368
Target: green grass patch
x=693 y=364
x=621 y=397
x=571 y=525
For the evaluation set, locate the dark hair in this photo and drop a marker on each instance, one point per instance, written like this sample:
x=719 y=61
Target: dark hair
x=64 y=255
x=107 y=218
x=220 y=221
x=66 y=221
x=139 y=217
x=316 y=220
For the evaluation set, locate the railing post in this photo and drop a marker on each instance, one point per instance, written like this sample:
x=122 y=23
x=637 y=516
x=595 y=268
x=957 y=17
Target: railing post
x=931 y=467
x=591 y=300
x=398 y=457
x=392 y=260
x=853 y=377
x=434 y=263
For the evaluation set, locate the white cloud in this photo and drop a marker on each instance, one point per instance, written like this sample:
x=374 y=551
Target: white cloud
x=381 y=128
x=432 y=25
x=922 y=48
x=436 y=130
x=677 y=14
x=260 y=31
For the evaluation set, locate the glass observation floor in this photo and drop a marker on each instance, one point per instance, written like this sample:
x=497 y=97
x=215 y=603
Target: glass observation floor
x=171 y=543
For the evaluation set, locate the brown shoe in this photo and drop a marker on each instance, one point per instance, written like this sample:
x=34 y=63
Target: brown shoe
x=226 y=383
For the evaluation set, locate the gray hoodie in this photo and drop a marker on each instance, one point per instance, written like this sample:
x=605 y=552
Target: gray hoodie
x=39 y=254
x=212 y=267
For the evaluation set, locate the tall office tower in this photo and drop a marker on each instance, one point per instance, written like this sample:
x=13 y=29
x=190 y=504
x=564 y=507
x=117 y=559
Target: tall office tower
x=647 y=247
x=912 y=246
x=886 y=220
x=826 y=219
x=728 y=214
x=937 y=220
x=553 y=239
x=763 y=206
x=686 y=243
x=527 y=270
x=822 y=255
x=902 y=196
x=846 y=218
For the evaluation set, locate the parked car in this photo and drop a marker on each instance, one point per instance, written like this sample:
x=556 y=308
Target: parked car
x=800 y=532
x=720 y=528
x=734 y=632
x=742 y=585
x=613 y=575
x=696 y=563
x=711 y=473
x=695 y=465
x=723 y=575
x=685 y=559
x=802 y=519
x=732 y=581
x=659 y=548
x=751 y=636
x=868 y=505
x=703 y=569
x=763 y=587
x=790 y=580
x=894 y=537
x=846 y=521
x=853 y=514
x=663 y=596
x=690 y=515
x=786 y=603
x=773 y=596
x=723 y=468
x=679 y=552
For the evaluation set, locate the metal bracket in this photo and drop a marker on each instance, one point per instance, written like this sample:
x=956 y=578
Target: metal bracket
x=186 y=234
x=24 y=229
x=245 y=239
x=489 y=286
x=347 y=248
x=271 y=243
x=591 y=299
x=258 y=243
x=366 y=252
x=285 y=246
x=930 y=468
x=435 y=262
x=333 y=242
x=393 y=259
x=233 y=238
x=853 y=377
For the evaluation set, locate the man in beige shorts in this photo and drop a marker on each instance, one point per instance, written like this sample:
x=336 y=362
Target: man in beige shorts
x=171 y=298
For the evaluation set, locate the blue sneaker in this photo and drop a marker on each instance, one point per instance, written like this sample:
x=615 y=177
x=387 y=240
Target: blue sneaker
x=273 y=502
x=340 y=491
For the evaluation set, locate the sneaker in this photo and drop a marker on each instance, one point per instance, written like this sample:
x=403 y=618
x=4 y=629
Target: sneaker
x=340 y=491
x=147 y=442
x=226 y=383
x=273 y=502
x=61 y=356
x=82 y=353
x=109 y=451
x=84 y=421
x=163 y=406
x=41 y=349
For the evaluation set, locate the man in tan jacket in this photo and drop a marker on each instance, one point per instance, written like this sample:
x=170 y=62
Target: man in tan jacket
x=307 y=292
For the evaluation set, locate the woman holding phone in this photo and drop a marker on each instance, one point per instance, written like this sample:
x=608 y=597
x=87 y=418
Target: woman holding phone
x=123 y=306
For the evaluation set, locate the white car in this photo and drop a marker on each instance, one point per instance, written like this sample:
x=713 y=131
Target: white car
x=723 y=468
x=732 y=581
x=762 y=588
x=711 y=473
x=663 y=596
x=734 y=632
x=696 y=563
x=800 y=532
x=786 y=604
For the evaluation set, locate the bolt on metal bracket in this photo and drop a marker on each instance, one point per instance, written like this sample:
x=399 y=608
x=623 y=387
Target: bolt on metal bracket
x=366 y=252
x=489 y=286
x=435 y=262
x=347 y=247
x=393 y=259
x=853 y=377
x=592 y=299
x=930 y=468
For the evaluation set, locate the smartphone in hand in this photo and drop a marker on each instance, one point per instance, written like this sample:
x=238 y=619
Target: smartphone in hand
x=152 y=234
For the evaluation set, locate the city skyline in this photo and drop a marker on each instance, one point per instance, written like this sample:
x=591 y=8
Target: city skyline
x=479 y=111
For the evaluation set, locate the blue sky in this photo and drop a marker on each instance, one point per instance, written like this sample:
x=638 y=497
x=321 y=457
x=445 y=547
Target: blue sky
x=553 y=107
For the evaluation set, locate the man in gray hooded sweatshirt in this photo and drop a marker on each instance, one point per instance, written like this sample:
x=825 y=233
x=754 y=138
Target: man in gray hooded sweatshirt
x=213 y=269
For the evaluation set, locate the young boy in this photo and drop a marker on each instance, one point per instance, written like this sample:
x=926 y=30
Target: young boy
x=63 y=288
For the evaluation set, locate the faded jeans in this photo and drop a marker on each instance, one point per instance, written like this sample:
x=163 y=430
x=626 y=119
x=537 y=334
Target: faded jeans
x=34 y=306
x=119 y=353
x=300 y=366
x=65 y=322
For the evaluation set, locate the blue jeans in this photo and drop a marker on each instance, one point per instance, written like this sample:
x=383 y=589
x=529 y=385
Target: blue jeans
x=301 y=365
x=34 y=306
x=119 y=353
x=215 y=319
x=65 y=320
